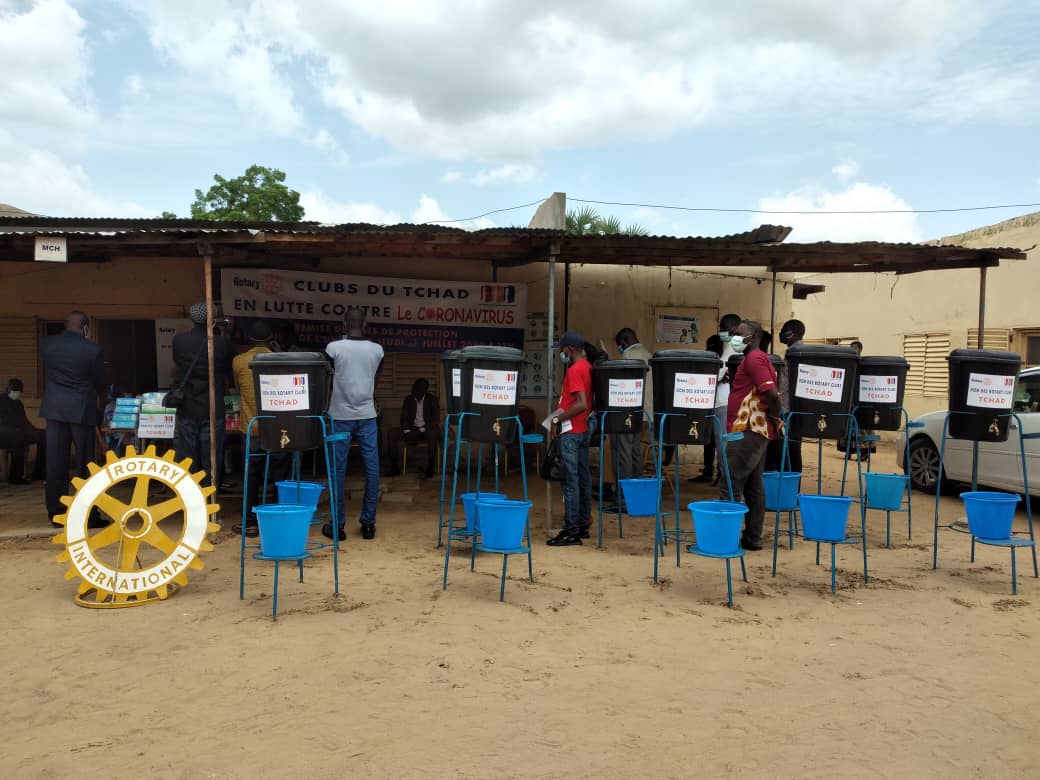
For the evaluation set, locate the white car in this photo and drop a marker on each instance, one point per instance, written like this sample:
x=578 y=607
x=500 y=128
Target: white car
x=1000 y=463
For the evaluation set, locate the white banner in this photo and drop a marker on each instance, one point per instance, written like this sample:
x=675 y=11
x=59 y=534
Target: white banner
x=284 y=393
x=494 y=388
x=625 y=393
x=878 y=389
x=820 y=383
x=694 y=391
x=254 y=292
x=991 y=391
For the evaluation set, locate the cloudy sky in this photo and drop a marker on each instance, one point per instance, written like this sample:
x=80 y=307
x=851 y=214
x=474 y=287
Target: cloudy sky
x=405 y=110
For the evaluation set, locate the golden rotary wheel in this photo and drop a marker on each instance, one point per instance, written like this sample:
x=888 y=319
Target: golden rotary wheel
x=135 y=559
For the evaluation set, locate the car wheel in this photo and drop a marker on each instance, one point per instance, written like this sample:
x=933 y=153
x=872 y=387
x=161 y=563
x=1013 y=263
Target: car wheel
x=923 y=465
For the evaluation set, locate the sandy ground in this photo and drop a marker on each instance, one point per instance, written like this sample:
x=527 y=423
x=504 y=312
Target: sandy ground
x=591 y=671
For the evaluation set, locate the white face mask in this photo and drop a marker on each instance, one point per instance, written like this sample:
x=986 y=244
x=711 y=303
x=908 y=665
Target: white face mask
x=15 y=395
x=737 y=344
x=725 y=337
x=565 y=358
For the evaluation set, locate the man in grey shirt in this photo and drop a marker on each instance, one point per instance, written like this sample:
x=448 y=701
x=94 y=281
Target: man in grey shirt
x=353 y=410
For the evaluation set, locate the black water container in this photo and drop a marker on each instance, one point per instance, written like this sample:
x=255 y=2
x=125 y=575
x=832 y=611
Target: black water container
x=490 y=391
x=821 y=381
x=879 y=393
x=619 y=387
x=291 y=387
x=982 y=389
x=685 y=384
x=452 y=367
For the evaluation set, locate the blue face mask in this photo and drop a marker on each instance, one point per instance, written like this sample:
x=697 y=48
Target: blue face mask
x=621 y=349
x=725 y=337
x=564 y=358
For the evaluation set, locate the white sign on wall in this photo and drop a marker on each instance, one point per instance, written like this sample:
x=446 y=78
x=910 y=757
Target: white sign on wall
x=879 y=389
x=50 y=249
x=284 y=393
x=494 y=388
x=625 y=393
x=991 y=391
x=820 y=383
x=694 y=391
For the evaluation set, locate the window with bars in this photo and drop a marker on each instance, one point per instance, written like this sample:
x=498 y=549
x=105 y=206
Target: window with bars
x=929 y=372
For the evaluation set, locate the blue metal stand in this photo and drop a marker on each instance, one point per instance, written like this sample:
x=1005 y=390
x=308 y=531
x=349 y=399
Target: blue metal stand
x=617 y=474
x=462 y=534
x=851 y=435
x=661 y=535
x=729 y=574
x=328 y=442
x=1017 y=538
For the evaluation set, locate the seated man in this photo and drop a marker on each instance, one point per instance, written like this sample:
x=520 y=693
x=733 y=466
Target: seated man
x=17 y=434
x=420 y=421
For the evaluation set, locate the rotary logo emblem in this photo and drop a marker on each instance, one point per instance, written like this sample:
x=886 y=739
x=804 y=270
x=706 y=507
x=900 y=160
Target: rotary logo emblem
x=158 y=523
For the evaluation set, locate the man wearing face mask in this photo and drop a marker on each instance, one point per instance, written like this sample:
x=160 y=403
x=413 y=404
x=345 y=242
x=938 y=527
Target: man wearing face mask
x=791 y=334
x=74 y=369
x=17 y=434
x=754 y=410
x=626 y=446
x=570 y=428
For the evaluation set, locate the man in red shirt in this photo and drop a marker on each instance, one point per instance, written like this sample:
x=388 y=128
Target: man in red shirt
x=754 y=410
x=570 y=429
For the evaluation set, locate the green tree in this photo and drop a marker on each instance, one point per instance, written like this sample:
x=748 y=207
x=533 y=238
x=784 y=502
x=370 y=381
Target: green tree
x=587 y=221
x=167 y=215
x=258 y=195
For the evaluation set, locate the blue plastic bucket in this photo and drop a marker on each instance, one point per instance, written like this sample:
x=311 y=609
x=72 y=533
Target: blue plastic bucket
x=782 y=489
x=824 y=517
x=641 y=496
x=990 y=514
x=717 y=525
x=284 y=529
x=468 y=501
x=885 y=491
x=303 y=493
x=502 y=522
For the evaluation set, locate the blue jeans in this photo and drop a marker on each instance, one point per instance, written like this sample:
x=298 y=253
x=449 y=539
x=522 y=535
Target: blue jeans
x=191 y=440
x=577 y=481
x=365 y=433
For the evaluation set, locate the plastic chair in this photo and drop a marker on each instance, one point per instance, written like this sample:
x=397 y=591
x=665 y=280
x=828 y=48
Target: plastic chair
x=404 y=454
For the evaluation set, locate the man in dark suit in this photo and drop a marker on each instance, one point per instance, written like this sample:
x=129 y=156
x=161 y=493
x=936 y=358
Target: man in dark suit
x=75 y=373
x=17 y=434
x=420 y=421
x=191 y=437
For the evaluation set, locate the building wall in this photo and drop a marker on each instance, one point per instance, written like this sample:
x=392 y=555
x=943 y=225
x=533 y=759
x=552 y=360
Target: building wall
x=883 y=310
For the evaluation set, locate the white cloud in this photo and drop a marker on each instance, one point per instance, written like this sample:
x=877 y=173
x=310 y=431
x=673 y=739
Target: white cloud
x=322 y=208
x=507 y=173
x=859 y=196
x=327 y=144
x=41 y=182
x=846 y=170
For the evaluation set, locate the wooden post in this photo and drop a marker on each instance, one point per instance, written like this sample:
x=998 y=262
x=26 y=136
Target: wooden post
x=772 y=319
x=982 y=307
x=212 y=379
x=550 y=405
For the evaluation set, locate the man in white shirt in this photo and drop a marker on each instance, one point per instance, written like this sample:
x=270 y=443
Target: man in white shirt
x=357 y=361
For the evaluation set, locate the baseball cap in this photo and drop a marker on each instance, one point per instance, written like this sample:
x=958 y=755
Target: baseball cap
x=570 y=339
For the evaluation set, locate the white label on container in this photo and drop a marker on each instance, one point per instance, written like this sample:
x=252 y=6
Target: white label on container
x=879 y=389
x=625 y=393
x=494 y=388
x=694 y=391
x=820 y=383
x=456 y=382
x=284 y=393
x=991 y=391
x=157 y=425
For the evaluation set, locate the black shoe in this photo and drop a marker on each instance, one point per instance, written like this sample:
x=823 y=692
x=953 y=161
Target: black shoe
x=252 y=529
x=95 y=520
x=564 y=539
x=395 y=471
x=609 y=509
x=368 y=532
x=326 y=531
x=18 y=481
x=704 y=476
x=750 y=546
x=56 y=525
x=585 y=533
